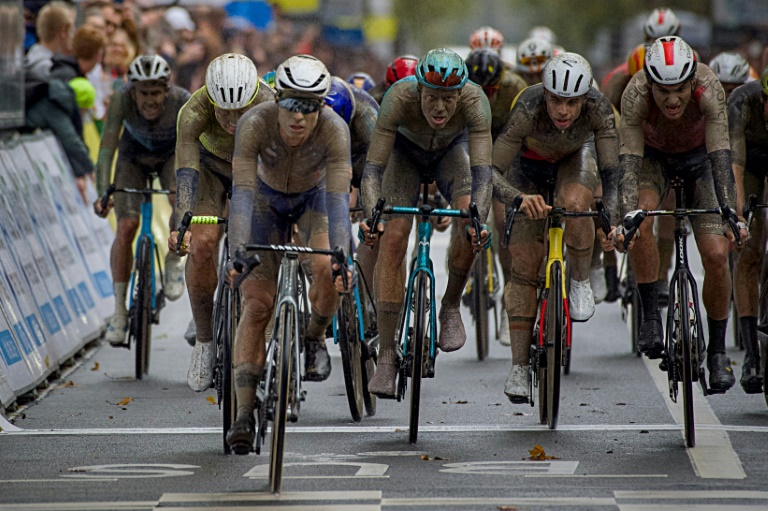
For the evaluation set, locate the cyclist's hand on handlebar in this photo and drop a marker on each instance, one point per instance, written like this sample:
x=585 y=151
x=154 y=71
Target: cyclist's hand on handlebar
x=606 y=242
x=619 y=234
x=365 y=235
x=338 y=280
x=101 y=211
x=485 y=238
x=173 y=241
x=535 y=207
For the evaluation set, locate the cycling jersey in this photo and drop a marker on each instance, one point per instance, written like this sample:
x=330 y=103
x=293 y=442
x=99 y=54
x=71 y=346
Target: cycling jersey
x=704 y=123
x=501 y=99
x=140 y=135
x=747 y=121
x=614 y=84
x=531 y=134
x=361 y=128
x=377 y=91
x=401 y=117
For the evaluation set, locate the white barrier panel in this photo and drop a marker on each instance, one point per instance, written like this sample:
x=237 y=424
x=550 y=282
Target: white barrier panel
x=56 y=307
x=64 y=194
x=16 y=368
x=7 y=397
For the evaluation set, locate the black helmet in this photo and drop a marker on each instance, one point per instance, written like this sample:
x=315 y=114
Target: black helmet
x=485 y=67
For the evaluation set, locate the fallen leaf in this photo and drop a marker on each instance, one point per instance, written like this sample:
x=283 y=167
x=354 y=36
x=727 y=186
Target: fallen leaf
x=425 y=457
x=397 y=430
x=70 y=383
x=125 y=401
x=538 y=454
x=609 y=452
x=95 y=366
x=111 y=417
x=47 y=362
x=211 y=400
x=438 y=458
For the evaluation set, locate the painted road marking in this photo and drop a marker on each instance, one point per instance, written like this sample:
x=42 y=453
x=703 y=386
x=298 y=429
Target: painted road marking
x=302 y=507
x=130 y=471
x=502 y=501
x=690 y=507
x=696 y=494
x=78 y=506
x=511 y=467
x=89 y=480
x=364 y=470
x=713 y=457
x=259 y=497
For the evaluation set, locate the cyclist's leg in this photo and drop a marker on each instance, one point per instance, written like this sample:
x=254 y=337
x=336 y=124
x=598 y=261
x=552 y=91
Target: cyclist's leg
x=597 y=271
x=577 y=180
x=716 y=291
x=746 y=292
x=173 y=287
x=400 y=187
x=645 y=259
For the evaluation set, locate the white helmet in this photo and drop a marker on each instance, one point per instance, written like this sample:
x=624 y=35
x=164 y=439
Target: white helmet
x=149 y=67
x=532 y=54
x=669 y=61
x=231 y=81
x=302 y=76
x=661 y=22
x=542 y=32
x=730 y=67
x=567 y=75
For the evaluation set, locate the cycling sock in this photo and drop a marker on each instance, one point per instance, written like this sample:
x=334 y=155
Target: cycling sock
x=716 y=335
x=387 y=319
x=317 y=326
x=748 y=336
x=650 y=300
x=247 y=377
x=172 y=258
x=609 y=258
x=666 y=248
x=121 y=291
x=455 y=288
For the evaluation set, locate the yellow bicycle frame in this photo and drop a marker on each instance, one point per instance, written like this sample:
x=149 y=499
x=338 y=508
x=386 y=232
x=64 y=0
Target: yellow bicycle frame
x=555 y=254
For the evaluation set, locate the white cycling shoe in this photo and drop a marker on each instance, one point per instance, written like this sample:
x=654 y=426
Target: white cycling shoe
x=173 y=285
x=516 y=387
x=117 y=328
x=200 y=374
x=597 y=282
x=580 y=301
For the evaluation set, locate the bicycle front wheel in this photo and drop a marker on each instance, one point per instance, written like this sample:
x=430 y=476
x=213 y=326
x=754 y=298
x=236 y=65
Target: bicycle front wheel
x=555 y=337
x=417 y=354
x=480 y=303
x=282 y=362
x=226 y=343
x=350 y=344
x=686 y=371
x=141 y=321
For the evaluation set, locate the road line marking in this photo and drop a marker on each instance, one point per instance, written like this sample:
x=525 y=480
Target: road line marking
x=62 y=480
x=697 y=494
x=713 y=457
x=615 y=476
x=689 y=507
x=303 y=507
x=500 y=501
x=323 y=477
x=78 y=506
x=260 y=496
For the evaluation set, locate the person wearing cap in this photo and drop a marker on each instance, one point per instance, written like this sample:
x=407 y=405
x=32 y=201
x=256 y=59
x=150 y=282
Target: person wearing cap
x=435 y=125
x=205 y=142
x=141 y=125
x=674 y=123
x=291 y=159
x=560 y=140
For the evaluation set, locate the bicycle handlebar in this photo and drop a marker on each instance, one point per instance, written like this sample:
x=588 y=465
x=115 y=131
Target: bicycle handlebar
x=749 y=210
x=633 y=219
x=190 y=219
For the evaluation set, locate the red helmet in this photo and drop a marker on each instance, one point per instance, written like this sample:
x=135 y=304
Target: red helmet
x=402 y=66
x=486 y=37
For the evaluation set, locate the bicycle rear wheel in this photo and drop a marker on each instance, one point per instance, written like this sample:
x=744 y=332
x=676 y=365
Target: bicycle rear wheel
x=282 y=388
x=480 y=303
x=686 y=359
x=141 y=320
x=350 y=345
x=225 y=346
x=417 y=354
x=554 y=335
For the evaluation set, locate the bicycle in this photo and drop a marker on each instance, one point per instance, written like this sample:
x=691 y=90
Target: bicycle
x=684 y=340
x=146 y=291
x=631 y=307
x=551 y=341
x=279 y=394
x=480 y=296
x=417 y=337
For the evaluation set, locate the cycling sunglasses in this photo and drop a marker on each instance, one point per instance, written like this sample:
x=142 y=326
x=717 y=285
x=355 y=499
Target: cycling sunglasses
x=300 y=105
x=436 y=78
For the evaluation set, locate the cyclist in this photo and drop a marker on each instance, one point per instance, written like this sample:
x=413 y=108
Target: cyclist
x=145 y=110
x=361 y=80
x=205 y=141
x=561 y=131
x=532 y=56
x=748 y=127
x=674 y=123
x=732 y=70
x=291 y=159
x=501 y=86
x=486 y=37
x=401 y=67
x=434 y=124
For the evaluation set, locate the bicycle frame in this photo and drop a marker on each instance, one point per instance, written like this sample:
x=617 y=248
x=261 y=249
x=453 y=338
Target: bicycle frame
x=146 y=230
x=555 y=254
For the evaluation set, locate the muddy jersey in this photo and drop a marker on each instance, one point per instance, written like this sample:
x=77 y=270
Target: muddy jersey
x=401 y=114
x=747 y=121
x=323 y=159
x=614 y=84
x=377 y=91
x=704 y=123
x=501 y=100
x=530 y=133
x=198 y=126
x=139 y=135
x=360 y=130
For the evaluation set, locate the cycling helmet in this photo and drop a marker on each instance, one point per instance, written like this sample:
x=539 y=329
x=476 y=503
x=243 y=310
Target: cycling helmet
x=146 y=68
x=669 y=61
x=341 y=99
x=231 y=81
x=542 y=32
x=485 y=67
x=636 y=59
x=567 y=75
x=302 y=76
x=532 y=54
x=361 y=80
x=269 y=78
x=443 y=69
x=486 y=37
x=401 y=67
x=661 y=22
x=764 y=80
x=730 y=67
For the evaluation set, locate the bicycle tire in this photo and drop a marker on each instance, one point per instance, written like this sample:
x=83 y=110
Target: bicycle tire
x=542 y=389
x=686 y=359
x=282 y=387
x=371 y=341
x=554 y=335
x=142 y=307
x=480 y=304
x=417 y=355
x=227 y=342
x=350 y=344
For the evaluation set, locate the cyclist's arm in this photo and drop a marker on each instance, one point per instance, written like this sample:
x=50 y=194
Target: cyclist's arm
x=244 y=168
x=509 y=143
x=382 y=141
x=193 y=117
x=113 y=123
x=361 y=129
x=337 y=179
x=634 y=111
x=739 y=117
x=607 y=146
x=478 y=116
x=503 y=191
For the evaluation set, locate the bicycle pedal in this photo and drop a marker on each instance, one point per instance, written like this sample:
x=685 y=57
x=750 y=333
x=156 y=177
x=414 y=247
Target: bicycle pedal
x=664 y=364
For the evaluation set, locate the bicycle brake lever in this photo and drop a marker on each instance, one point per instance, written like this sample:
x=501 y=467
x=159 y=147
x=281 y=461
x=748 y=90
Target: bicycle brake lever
x=605 y=219
x=183 y=226
x=510 y=218
x=341 y=260
x=105 y=198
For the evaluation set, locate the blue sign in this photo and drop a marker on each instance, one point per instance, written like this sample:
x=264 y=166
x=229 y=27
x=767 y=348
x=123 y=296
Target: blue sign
x=8 y=347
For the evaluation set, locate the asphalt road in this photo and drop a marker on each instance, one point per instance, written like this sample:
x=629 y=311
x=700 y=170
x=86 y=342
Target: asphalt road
x=100 y=440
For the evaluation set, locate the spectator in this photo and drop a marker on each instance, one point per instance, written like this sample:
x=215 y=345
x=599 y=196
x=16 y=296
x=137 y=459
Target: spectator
x=88 y=47
x=55 y=27
x=121 y=49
